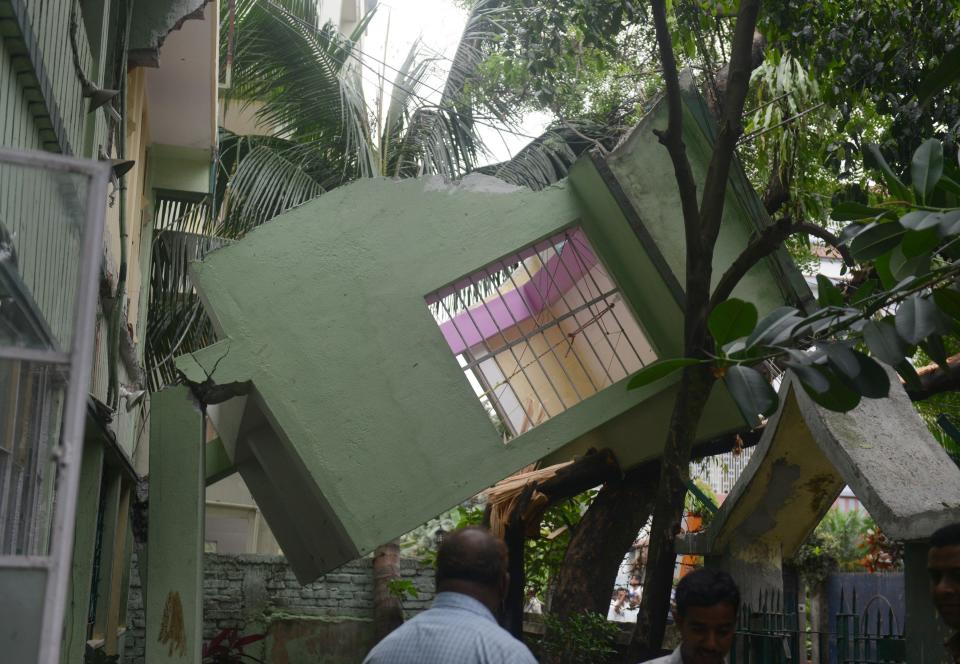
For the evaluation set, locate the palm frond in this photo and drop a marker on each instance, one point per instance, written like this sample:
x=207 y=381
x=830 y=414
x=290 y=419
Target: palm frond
x=486 y=22
x=176 y=322
x=548 y=158
x=272 y=177
x=304 y=80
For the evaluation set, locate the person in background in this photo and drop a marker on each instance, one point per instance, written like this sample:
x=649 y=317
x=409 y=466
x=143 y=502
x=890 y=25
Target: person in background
x=533 y=605
x=619 y=606
x=635 y=591
x=461 y=625
x=943 y=565
x=707 y=602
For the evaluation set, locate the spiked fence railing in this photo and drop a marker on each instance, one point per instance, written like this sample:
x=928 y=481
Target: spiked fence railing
x=771 y=634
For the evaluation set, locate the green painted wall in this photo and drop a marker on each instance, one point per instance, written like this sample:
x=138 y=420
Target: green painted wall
x=357 y=376
x=644 y=169
x=17 y=128
x=174 y=568
x=217 y=463
x=177 y=168
x=61 y=113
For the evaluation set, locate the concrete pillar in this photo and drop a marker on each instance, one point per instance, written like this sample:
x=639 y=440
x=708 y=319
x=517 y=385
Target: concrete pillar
x=924 y=630
x=174 y=581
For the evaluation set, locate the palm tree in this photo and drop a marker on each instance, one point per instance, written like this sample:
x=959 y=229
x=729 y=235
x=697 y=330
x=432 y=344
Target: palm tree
x=306 y=83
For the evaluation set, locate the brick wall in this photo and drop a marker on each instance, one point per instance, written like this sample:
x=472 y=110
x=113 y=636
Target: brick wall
x=328 y=621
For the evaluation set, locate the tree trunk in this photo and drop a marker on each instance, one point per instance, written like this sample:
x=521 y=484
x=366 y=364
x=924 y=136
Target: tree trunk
x=667 y=513
x=387 y=611
x=601 y=539
x=514 y=537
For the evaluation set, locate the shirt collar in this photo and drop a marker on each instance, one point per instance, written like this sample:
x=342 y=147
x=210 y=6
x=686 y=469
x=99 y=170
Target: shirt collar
x=677 y=658
x=452 y=600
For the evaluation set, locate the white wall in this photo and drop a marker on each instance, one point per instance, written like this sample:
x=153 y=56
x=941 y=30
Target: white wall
x=343 y=13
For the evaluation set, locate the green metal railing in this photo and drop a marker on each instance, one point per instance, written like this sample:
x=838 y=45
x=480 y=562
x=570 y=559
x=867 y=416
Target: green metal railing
x=771 y=634
x=861 y=637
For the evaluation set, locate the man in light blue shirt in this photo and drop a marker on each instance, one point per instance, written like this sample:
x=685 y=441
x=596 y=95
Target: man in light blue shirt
x=460 y=628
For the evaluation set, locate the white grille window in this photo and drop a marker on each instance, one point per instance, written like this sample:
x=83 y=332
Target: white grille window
x=51 y=222
x=540 y=330
x=30 y=397
x=722 y=471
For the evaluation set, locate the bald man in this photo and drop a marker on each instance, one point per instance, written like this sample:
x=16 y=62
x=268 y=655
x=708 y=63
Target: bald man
x=461 y=626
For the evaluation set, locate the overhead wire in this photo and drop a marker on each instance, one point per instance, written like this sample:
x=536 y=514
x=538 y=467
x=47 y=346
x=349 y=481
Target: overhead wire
x=354 y=48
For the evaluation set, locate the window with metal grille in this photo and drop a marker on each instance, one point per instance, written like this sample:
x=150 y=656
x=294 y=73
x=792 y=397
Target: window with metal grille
x=540 y=330
x=52 y=210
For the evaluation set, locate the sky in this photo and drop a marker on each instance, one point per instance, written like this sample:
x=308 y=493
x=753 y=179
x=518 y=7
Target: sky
x=438 y=24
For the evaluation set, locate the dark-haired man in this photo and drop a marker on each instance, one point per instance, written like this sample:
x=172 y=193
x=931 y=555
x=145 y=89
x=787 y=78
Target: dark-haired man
x=460 y=627
x=943 y=564
x=706 y=615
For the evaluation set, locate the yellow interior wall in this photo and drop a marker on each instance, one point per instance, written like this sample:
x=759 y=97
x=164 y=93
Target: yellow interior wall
x=562 y=365
x=137 y=199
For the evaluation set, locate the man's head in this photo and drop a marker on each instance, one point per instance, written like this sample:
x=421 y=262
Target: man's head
x=621 y=593
x=473 y=562
x=943 y=564
x=706 y=614
x=634 y=580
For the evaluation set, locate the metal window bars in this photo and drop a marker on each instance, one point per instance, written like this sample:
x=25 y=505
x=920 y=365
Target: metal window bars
x=51 y=227
x=540 y=330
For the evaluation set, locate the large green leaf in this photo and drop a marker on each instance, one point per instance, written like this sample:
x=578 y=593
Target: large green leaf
x=870 y=379
x=753 y=394
x=864 y=290
x=828 y=295
x=949 y=223
x=944 y=75
x=936 y=349
x=917 y=318
x=884 y=342
x=838 y=397
x=843 y=359
x=909 y=375
x=916 y=243
x=949 y=302
x=875 y=240
x=926 y=167
x=659 y=369
x=731 y=320
x=811 y=377
x=873 y=158
x=918 y=220
x=903 y=266
x=852 y=211
x=771 y=325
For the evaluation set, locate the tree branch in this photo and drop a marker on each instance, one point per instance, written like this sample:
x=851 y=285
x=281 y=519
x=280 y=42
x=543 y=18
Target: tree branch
x=764 y=244
x=934 y=380
x=731 y=125
x=829 y=238
x=672 y=138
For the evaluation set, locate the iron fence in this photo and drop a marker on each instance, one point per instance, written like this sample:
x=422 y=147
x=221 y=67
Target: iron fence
x=771 y=632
